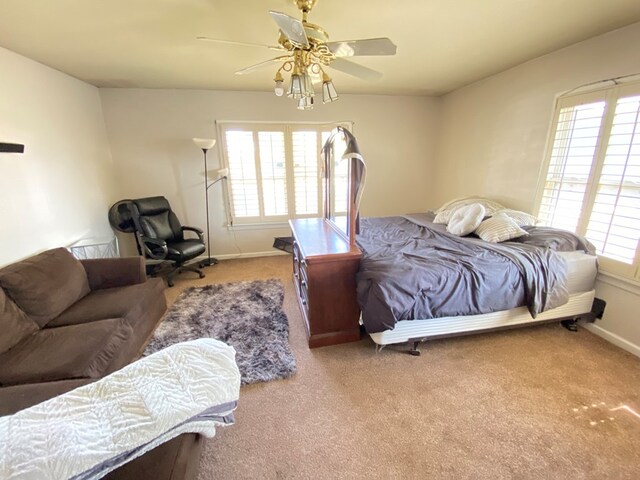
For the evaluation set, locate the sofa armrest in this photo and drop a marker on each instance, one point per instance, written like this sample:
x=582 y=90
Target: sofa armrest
x=114 y=272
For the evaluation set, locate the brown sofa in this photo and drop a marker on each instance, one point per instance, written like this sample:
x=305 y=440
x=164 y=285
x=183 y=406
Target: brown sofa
x=65 y=323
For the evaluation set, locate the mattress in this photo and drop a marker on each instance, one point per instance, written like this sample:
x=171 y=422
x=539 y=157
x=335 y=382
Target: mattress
x=581 y=271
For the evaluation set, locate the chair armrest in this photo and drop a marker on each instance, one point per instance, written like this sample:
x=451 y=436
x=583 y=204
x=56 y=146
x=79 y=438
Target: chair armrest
x=114 y=272
x=154 y=248
x=197 y=230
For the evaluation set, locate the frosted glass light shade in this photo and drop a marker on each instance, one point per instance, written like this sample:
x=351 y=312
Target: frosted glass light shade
x=204 y=143
x=279 y=88
x=329 y=93
x=305 y=103
x=296 y=87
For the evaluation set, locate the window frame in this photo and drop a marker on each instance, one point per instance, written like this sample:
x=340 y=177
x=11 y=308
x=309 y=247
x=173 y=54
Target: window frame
x=288 y=128
x=610 y=95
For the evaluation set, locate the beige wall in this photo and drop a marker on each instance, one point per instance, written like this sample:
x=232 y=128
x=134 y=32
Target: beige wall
x=493 y=135
x=57 y=192
x=493 y=132
x=150 y=135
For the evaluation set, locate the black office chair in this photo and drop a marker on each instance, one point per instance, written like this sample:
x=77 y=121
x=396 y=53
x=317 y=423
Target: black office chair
x=160 y=236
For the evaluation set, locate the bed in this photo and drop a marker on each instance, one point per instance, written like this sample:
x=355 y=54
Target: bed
x=471 y=265
x=417 y=281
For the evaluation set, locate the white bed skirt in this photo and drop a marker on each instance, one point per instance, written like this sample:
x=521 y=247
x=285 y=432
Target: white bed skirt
x=405 y=330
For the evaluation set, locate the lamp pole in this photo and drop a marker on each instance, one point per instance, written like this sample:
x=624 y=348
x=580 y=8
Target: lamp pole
x=205 y=144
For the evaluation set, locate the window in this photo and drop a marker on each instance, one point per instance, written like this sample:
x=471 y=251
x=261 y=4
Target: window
x=592 y=176
x=274 y=170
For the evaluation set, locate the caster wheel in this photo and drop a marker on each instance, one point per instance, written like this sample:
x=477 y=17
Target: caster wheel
x=201 y=275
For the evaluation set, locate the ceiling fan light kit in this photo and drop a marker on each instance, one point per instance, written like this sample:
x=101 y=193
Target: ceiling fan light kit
x=308 y=52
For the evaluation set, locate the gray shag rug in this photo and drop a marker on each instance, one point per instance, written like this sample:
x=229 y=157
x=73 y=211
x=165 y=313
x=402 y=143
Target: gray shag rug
x=246 y=315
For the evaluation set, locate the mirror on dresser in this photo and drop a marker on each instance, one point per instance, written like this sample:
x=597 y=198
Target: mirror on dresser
x=343 y=182
x=325 y=255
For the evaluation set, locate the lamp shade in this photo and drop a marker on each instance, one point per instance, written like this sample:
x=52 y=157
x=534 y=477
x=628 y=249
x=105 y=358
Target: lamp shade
x=329 y=93
x=204 y=143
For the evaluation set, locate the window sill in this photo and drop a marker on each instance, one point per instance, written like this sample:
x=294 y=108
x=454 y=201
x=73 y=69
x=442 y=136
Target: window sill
x=623 y=283
x=258 y=226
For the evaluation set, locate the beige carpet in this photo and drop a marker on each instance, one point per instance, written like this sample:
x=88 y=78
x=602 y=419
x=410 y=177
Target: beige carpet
x=536 y=402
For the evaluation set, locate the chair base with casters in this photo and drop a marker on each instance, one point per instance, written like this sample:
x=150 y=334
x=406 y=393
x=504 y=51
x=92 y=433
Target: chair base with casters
x=169 y=270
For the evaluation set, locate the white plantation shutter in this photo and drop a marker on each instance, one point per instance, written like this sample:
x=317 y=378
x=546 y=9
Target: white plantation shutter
x=273 y=173
x=306 y=168
x=574 y=147
x=243 y=179
x=614 y=224
x=274 y=170
x=592 y=180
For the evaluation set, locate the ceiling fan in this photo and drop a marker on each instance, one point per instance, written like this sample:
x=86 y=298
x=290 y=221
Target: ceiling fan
x=307 y=51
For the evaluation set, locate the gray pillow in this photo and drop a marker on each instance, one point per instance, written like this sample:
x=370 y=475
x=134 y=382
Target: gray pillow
x=45 y=285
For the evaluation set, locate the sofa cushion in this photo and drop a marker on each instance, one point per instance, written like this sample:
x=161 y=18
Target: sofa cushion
x=78 y=351
x=45 y=285
x=142 y=305
x=15 y=326
x=18 y=397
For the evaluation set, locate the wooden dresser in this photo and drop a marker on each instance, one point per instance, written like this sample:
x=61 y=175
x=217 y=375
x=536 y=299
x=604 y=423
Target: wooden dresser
x=324 y=274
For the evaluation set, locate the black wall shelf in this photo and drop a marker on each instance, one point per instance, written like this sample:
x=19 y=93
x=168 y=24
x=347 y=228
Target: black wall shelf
x=11 y=148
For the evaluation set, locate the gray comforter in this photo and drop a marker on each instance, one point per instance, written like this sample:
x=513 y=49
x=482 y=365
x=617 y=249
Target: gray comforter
x=414 y=269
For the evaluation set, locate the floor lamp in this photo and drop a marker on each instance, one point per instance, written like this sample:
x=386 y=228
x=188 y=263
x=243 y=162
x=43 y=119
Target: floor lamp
x=205 y=144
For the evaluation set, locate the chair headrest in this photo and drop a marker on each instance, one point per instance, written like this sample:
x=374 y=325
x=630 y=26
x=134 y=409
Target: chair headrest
x=152 y=205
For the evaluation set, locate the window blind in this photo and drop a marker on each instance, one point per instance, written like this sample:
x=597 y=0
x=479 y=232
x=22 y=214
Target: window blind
x=273 y=173
x=274 y=170
x=613 y=225
x=243 y=178
x=306 y=172
x=570 y=163
x=591 y=184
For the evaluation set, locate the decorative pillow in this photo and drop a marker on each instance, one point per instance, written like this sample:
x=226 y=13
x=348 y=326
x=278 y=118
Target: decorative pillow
x=443 y=217
x=523 y=219
x=45 y=285
x=499 y=228
x=490 y=206
x=15 y=326
x=466 y=219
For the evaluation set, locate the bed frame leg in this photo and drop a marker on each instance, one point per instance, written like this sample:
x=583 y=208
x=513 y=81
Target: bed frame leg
x=570 y=324
x=379 y=347
x=413 y=348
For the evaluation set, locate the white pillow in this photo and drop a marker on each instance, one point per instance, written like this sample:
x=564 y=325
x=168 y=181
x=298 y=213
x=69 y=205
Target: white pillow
x=523 y=219
x=499 y=228
x=466 y=219
x=443 y=217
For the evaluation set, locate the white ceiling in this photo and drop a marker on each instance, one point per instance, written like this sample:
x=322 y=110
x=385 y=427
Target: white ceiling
x=442 y=44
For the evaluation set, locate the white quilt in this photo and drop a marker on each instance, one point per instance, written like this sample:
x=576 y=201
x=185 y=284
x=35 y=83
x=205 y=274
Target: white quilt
x=87 y=432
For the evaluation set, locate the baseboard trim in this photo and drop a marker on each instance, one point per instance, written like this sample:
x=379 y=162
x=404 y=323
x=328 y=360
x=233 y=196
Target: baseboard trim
x=617 y=340
x=232 y=256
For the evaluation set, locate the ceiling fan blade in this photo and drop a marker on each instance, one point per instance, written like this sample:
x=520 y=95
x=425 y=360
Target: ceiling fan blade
x=355 y=70
x=242 y=44
x=367 y=46
x=292 y=28
x=257 y=66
